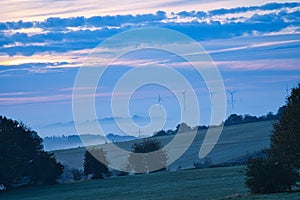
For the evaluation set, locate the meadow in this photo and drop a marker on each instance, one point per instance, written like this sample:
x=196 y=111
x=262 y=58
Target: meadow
x=211 y=183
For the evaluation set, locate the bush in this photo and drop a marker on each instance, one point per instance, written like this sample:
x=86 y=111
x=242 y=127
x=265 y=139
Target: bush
x=265 y=175
x=77 y=174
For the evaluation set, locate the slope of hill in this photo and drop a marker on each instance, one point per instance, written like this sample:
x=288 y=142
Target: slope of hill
x=235 y=143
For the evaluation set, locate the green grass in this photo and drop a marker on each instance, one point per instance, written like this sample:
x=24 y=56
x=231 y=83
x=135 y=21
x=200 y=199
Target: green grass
x=218 y=183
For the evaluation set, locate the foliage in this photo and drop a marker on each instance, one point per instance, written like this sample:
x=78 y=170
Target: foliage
x=22 y=159
x=45 y=169
x=147 y=156
x=95 y=163
x=285 y=140
x=235 y=119
x=264 y=175
x=77 y=174
x=278 y=170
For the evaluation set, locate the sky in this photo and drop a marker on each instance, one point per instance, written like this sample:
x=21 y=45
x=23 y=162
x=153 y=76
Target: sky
x=254 y=44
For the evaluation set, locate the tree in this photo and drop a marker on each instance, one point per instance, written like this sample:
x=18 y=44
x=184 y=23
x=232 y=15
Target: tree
x=21 y=155
x=285 y=140
x=234 y=119
x=183 y=128
x=278 y=170
x=45 y=169
x=148 y=156
x=95 y=163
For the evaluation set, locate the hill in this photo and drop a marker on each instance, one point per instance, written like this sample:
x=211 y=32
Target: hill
x=236 y=143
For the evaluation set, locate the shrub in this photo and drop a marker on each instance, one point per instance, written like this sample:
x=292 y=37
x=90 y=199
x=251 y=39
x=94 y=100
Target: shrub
x=265 y=175
x=77 y=174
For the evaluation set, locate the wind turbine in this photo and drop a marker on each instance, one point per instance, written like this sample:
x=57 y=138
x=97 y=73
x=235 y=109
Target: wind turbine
x=231 y=94
x=159 y=100
x=183 y=95
x=212 y=95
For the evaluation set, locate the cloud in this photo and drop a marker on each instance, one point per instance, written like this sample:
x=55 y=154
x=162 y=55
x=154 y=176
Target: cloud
x=62 y=43
x=33 y=99
x=266 y=7
x=264 y=64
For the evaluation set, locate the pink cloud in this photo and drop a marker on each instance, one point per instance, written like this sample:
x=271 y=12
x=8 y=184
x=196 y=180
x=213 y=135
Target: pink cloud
x=272 y=64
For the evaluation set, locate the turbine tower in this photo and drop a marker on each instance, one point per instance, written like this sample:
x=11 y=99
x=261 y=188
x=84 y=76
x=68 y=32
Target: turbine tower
x=159 y=100
x=231 y=94
x=183 y=95
x=212 y=97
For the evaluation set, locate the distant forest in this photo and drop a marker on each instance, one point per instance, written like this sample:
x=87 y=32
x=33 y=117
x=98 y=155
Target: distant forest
x=233 y=119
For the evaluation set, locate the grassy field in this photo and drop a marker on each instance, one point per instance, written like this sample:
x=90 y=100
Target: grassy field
x=214 y=183
x=235 y=142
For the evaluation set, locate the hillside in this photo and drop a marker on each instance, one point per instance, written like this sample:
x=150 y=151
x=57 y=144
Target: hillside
x=235 y=143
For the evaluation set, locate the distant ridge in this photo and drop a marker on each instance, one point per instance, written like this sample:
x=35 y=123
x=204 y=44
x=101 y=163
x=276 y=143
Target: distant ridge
x=74 y=141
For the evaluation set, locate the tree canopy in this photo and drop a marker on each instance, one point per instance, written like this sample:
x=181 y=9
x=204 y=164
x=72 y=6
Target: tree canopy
x=95 y=163
x=22 y=158
x=285 y=140
x=147 y=156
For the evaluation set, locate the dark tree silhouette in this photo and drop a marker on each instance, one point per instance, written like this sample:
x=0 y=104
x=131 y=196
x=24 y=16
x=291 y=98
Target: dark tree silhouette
x=92 y=164
x=278 y=170
x=264 y=175
x=45 y=169
x=22 y=159
x=285 y=140
x=148 y=156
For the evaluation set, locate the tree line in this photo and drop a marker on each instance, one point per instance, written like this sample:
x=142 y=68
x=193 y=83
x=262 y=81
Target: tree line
x=233 y=119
